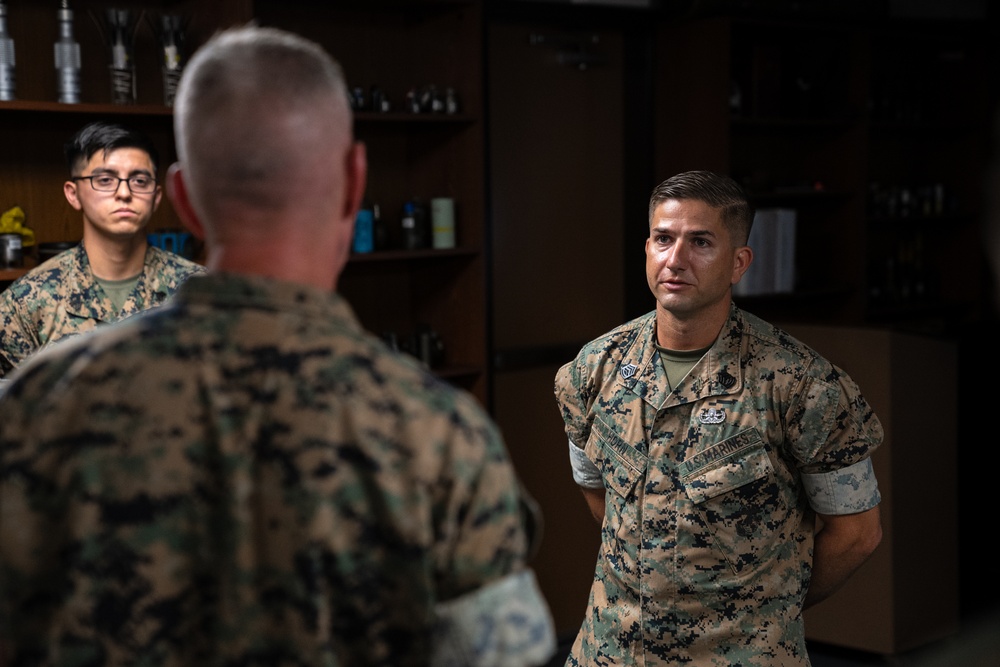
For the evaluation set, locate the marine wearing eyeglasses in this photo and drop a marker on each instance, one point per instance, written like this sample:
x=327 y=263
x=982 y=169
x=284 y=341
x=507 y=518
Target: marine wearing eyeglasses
x=138 y=184
x=113 y=273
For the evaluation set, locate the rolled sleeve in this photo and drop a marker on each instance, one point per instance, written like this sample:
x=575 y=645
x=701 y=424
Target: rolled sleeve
x=846 y=491
x=503 y=624
x=585 y=473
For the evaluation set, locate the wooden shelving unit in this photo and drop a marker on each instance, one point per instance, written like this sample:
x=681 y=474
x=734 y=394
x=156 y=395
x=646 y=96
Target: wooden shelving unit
x=813 y=115
x=395 y=45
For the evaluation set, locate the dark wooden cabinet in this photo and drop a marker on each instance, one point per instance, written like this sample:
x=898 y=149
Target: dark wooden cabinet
x=930 y=112
x=873 y=132
x=397 y=46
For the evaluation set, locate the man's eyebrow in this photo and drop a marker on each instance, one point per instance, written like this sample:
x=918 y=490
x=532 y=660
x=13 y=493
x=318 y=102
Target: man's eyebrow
x=697 y=232
x=135 y=172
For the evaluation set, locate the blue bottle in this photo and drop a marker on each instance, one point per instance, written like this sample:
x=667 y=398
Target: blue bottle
x=364 y=231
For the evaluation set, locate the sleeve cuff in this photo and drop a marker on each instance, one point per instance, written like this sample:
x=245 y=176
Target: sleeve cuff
x=504 y=624
x=846 y=491
x=585 y=473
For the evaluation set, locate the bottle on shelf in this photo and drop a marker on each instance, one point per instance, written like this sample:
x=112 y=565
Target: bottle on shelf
x=451 y=106
x=67 y=56
x=118 y=29
x=443 y=222
x=364 y=230
x=414 y=225
x=380 y=230
x=8 y=81
x=170 y=30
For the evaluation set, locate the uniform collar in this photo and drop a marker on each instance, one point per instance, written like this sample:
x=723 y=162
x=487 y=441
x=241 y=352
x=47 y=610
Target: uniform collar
x=87 y=300
x=717 y=373
x=248 y=291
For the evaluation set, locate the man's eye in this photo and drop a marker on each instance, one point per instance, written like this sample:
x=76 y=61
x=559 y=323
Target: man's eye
x=140 y=181
x=105 y=180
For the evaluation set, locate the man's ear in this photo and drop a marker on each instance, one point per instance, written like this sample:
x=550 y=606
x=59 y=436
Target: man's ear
x=69 y=189
x=357 y=179
x=157 y=196
x=177 y=191
x=741 y=262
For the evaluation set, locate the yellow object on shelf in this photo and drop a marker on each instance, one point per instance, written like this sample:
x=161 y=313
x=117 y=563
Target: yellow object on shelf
x=12 y=222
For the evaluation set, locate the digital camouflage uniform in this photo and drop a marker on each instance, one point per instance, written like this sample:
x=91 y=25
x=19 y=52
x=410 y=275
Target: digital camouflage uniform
x=245 y=477
x=61 y=298
x=710 y=491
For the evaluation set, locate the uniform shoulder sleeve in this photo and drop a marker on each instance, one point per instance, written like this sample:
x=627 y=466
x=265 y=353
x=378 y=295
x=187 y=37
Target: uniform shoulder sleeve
x=574 y=396
x=579 y=382
x=18 y=336
x=830 y=423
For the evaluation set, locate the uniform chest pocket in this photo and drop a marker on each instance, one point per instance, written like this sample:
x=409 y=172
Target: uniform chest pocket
x=621 y=464
x=736 y=498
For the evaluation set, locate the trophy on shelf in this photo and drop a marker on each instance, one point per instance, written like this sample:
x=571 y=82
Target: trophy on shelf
x=67 y=56
x=118 y=28
x=7 y=79
x=170 y=28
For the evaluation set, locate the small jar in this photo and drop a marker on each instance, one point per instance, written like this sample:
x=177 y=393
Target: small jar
x=11 y=251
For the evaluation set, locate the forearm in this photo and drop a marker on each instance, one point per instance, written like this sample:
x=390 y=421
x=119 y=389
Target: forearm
x=590 y=480
x=842 y=544
x=595 y=502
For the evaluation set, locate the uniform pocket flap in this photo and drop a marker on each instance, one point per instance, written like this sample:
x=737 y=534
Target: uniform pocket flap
x=725 y=466
x=620 y=463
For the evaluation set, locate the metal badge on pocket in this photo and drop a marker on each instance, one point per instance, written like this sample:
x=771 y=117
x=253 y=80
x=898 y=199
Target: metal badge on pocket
x=712 y=416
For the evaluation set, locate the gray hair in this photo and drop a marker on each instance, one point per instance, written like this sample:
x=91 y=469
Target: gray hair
x=255 y=109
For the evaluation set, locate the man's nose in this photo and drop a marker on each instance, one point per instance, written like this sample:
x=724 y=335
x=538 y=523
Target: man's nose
x=677 y=255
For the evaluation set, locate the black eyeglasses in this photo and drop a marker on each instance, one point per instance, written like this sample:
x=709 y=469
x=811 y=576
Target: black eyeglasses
x=140 y=184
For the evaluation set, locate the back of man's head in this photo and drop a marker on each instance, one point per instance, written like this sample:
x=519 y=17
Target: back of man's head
x=106 y=137
x=262 y=123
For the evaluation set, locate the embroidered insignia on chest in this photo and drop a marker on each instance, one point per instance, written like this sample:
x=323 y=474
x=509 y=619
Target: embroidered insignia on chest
x=712 y=416
x=726 y=380
x=628 y=370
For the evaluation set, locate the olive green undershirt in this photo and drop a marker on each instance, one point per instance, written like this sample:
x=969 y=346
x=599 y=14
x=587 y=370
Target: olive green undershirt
x=677 y=364
x=118 y=290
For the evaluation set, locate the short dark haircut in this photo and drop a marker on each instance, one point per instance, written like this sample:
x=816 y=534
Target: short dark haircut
x=719 y=192
x=107 y=137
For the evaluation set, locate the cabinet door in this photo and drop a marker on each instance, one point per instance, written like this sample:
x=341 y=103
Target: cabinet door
x=796 y=102
x=930 y=109
x=557 y=187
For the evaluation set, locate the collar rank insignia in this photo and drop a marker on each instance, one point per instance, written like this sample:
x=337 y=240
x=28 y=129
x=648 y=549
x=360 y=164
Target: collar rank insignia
x=712 y=416
x=628 y=370
x=726 y=380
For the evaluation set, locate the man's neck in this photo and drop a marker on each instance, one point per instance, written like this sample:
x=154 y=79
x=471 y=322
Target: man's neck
x=115 y=258
x=681 y=333
x=287 y=259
